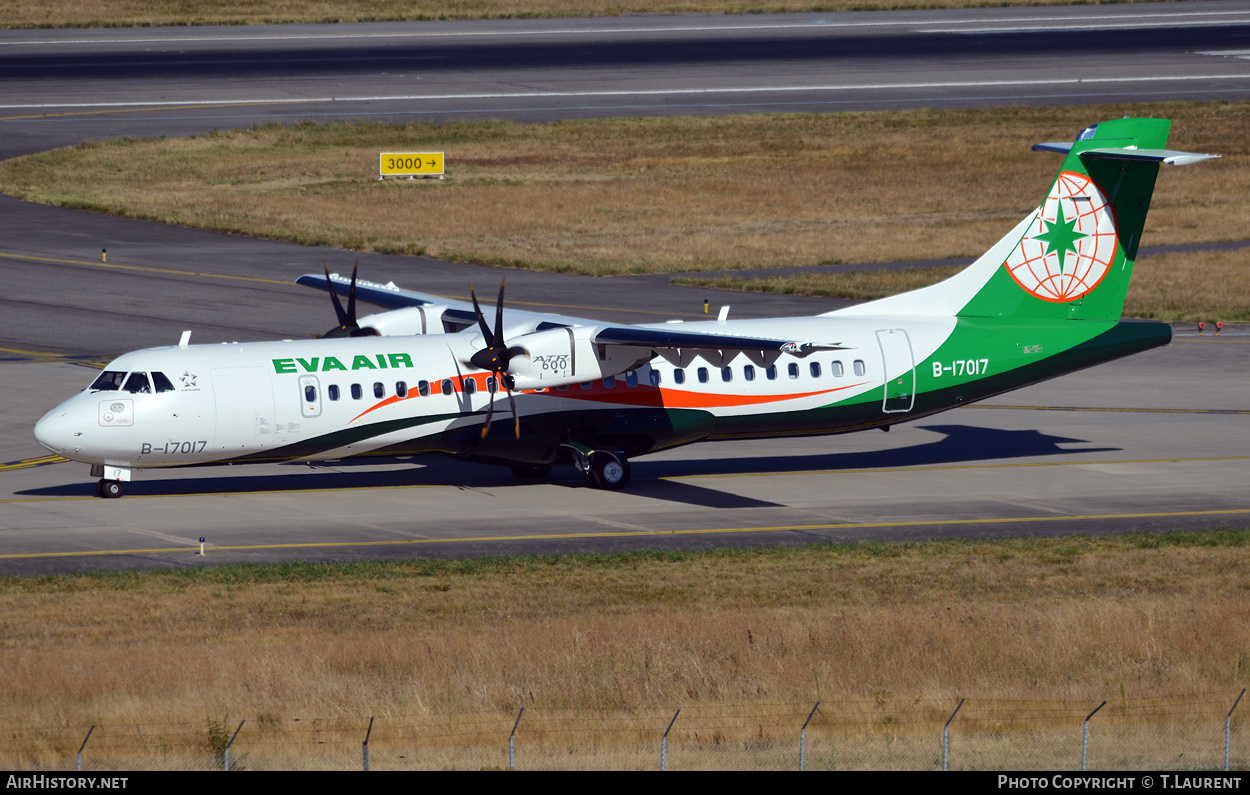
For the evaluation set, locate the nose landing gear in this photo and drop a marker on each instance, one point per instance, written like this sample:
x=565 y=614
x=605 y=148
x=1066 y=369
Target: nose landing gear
x=110 y=489
x=111 y=479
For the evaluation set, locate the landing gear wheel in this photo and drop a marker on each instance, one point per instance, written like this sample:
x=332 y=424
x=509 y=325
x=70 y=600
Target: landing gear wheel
x=109 y=489
x=607 y=471
x=531 y=471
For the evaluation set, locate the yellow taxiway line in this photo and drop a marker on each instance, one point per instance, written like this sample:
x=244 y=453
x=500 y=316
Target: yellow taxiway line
x=27 y=463
x=640 y=533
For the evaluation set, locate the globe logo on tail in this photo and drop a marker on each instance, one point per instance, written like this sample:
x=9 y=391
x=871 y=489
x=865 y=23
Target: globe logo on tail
x=1070 y=244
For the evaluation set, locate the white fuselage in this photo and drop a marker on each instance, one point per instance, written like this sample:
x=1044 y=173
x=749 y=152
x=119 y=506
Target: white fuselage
x=327 y=399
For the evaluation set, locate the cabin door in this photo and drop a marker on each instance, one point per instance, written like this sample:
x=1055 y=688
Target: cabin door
x=900 y=371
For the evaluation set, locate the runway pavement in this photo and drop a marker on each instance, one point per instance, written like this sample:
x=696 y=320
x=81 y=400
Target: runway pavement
x=61 y=86
x=1152 y=442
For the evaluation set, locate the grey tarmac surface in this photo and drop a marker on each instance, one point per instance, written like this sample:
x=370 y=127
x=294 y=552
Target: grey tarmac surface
x=1154 y=442
x=1169 y=451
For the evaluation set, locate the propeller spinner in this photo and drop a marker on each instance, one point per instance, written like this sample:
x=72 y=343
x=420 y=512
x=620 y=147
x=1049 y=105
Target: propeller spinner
x=495 y=358
x=347 y=327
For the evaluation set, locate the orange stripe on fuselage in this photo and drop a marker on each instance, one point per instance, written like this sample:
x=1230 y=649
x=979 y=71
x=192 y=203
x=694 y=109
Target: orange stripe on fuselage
x=660 y=397
x=641 y=395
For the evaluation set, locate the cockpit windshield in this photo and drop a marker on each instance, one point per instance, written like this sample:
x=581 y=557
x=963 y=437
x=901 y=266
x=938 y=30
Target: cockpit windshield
x=138 y=382
x=109 y=381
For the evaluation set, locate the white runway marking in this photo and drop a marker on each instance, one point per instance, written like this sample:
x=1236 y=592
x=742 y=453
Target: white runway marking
x=624 y=93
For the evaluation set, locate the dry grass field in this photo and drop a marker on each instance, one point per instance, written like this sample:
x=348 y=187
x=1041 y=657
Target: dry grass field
x=601 y=649
x=130 y=13
x=618 y=196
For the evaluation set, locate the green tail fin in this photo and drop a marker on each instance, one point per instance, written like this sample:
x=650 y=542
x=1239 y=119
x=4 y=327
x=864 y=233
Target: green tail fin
x=1073 y=258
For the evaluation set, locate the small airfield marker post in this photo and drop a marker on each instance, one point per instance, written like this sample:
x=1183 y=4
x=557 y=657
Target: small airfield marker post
x=225 y=754
x=79 y=768
x=803 y=735
x=364 y=747
x=1228 y=726
x=946 y=733
x=511 y=737
x=664 y=741
x=1085 y=738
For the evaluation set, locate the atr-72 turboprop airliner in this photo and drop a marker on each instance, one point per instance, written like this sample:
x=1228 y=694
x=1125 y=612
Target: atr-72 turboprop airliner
x=425 y=376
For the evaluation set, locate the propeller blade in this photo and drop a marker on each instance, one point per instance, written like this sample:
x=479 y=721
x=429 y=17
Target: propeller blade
x=490 y=413
x=499 y=315
x=487 y=337
x=351 y=300
x=338 y=305
x=516 y=420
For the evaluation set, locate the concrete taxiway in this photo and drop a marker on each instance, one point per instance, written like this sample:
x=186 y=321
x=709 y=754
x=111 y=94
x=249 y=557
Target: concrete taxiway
x=1158 y=441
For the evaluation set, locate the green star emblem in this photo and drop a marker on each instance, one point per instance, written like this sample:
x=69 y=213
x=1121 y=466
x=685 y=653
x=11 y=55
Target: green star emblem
x=1060 y=236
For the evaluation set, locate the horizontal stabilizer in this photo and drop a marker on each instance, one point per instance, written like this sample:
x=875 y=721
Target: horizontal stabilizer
x=663 y=338
x=1168 y=156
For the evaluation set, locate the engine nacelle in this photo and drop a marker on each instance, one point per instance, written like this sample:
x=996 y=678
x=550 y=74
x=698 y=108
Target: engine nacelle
x=563 y=356
x=408 y=320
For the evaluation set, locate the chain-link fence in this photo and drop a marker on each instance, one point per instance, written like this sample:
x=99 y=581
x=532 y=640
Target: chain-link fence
x=885 y=732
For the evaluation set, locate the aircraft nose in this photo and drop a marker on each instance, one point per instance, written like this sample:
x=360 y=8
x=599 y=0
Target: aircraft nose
x=55 y=432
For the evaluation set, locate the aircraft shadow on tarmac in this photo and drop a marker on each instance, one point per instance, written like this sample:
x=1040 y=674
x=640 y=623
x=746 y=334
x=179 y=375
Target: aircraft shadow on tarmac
x=960 y=444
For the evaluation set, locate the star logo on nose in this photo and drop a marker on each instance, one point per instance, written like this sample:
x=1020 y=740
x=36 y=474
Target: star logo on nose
x=187 y=378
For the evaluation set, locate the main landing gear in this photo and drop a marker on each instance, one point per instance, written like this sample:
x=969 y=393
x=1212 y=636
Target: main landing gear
x=603 y=469
x=607 y=471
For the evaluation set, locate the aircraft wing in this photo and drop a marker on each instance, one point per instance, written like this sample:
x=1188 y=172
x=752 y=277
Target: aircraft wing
x=641 y=337
x=460 y=314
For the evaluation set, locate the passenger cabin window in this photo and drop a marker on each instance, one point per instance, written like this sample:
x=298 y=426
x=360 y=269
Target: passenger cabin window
x=332 y=392
x=631 y=379
x=586 y=385
x=835 y=369
x=379 y=389
x=423 y=388
x=726 y=374
x=793 y=370
x=401 y=389
x=679 y=376
x=137 y=383
x=771 y=372
x=563 y=387
x=748 y=372
x=814 y=368
x=162 y=383
x=859 y=367
x=109 y=381
x=446 y=386
x=470 y=386
x=492 y=384
x=310 y=394
x=655 y=378
x=702 y=375
x=609 y=382
x=357 y=392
